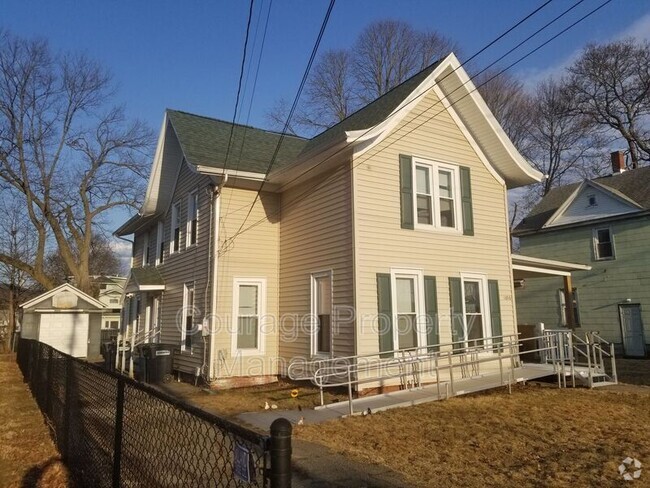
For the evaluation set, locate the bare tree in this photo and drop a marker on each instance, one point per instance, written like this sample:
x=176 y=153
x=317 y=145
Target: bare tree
x=559 y=140
x=18 y=242
x=385 y=54
x=509 y=102
x=68 y=157
x=611 y=84
x=388 y=52
x=103 y=261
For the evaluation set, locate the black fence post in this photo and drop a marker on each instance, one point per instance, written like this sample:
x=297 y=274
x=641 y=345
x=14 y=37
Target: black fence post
x=117 y=446
x=281 y=453
x=67 y=407
x=48 y=383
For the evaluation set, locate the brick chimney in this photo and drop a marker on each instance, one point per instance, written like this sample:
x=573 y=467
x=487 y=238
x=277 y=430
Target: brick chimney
x=618 y=162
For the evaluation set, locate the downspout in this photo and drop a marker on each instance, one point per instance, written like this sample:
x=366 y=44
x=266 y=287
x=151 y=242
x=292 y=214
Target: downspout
x=215 y=269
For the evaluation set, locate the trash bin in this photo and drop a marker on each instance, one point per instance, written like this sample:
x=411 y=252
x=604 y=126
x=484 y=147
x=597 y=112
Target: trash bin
x=108 y=350
x=157 y=362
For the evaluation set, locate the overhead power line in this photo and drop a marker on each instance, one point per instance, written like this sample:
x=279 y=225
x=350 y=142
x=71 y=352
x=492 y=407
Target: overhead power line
x=362 y=160
x=287 y=124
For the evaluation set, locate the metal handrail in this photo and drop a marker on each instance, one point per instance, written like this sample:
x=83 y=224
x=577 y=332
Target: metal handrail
x=341 y=359
x=348 y=375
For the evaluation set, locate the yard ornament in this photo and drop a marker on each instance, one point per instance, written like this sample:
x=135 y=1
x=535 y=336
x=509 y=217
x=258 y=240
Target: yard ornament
x=630 y=469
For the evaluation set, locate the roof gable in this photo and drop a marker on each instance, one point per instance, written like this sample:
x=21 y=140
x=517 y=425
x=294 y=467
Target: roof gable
x=623 y=193
x=591 y=201
x=66 y=287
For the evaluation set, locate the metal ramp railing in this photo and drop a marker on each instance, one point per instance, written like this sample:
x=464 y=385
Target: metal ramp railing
x=460 y=361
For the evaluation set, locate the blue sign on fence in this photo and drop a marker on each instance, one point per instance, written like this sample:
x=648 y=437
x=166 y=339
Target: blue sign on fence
x=242 y=463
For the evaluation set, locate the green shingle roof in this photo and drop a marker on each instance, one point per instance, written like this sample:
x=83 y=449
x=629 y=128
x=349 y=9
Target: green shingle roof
x=634 y=184
x=375 y=112
x=205 y=142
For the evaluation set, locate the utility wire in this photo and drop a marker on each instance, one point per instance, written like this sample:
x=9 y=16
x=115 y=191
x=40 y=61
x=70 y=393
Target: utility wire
x=498 y=38
x=291 y=112
x=307 y=192
x=250 y=106
x=241 y=77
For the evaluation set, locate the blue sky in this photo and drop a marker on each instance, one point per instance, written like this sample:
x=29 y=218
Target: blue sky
x=186 y=54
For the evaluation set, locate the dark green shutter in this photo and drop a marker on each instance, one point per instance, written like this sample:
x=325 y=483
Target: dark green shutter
x=385 y=317
x=406 y=191
x=456 y=303
x=466 y=201
x=495 y=309
x=431 y=306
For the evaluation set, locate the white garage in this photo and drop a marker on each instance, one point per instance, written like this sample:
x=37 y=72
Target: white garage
x=65 y=318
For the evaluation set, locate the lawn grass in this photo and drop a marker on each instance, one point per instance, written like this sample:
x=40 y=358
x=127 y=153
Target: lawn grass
x=233 y=401
x=538 y=436
x=28 y=456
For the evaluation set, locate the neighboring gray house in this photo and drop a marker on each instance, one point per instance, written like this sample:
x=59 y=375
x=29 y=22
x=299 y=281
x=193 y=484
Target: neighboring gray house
x=604 y=222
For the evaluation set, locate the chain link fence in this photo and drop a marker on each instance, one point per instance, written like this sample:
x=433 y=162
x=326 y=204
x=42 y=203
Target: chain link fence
x=115 y=432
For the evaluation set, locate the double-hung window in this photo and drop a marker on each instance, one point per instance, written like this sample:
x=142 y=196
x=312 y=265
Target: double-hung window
x=603 y=244
x=175 y=244
x=145 y=250
x=187 y=328
x=248 y=311
x=160 y=242
x=435 y=197
x=321 y=293
x=192 y=219
x=476 y=311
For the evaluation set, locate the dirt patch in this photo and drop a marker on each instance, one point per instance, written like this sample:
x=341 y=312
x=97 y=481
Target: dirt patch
x=534 y=437
x=233 y=401
x=28 y=456
x=633 y=371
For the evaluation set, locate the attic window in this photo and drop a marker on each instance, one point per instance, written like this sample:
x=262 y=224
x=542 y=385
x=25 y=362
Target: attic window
x=592 y=201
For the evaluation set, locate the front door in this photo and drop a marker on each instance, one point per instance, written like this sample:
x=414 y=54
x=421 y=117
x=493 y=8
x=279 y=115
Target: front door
x=632 y=330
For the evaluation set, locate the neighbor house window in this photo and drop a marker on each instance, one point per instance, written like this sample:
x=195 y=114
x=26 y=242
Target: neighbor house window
x=114 y=301
x=603 y=243
x=187 y=317
x=175 y=244
x=575 y=308
x=435 y=197
x=160 y=240
x=192 y=219
x=321 y=306
x=248 y=309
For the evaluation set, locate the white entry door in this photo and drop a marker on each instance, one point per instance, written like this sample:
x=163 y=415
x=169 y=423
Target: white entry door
x=66 y=332
x=632 y=330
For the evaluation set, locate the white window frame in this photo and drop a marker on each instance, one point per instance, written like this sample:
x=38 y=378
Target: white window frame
x=597 y=256
x=314 y=316
x=160 y=233
x=261 y=295
x=434 y=183
x=420 y=311
x=186 y=288
x=192 y=214
x=175 y=224
x=485 y=308
x=145 y=249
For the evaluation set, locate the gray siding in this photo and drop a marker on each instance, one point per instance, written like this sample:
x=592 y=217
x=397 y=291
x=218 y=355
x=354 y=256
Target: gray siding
x=189 y=265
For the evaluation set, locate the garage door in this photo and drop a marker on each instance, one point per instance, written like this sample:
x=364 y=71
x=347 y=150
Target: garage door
x=66 y=332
